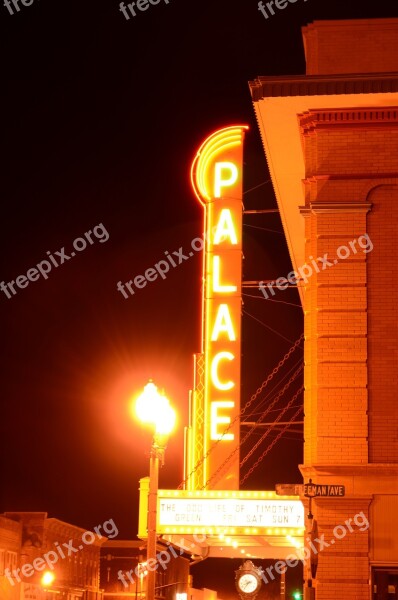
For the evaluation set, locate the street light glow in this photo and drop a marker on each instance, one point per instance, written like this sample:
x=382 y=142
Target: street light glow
x=47 y=579
x=165 y=420
x=149 y=403
x=154 y=408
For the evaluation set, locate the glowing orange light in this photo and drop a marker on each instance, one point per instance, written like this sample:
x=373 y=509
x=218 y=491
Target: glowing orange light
x=47 y=579
x=228 y=385
x=218 y=143
x=216 y=420
x=216 y=177
x=154 y=408
x=217 y=286
x=219 y=181
x=225 y=228
x=223 y=322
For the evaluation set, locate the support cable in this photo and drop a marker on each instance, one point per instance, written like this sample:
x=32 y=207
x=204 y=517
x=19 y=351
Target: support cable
x=246 y=407
x=248 y=434
x=269 y=448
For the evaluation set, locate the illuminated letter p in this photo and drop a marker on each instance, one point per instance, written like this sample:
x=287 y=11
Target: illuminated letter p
x=219 y=182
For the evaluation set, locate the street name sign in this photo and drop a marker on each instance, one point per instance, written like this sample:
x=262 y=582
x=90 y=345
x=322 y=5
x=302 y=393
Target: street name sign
x=314 y=490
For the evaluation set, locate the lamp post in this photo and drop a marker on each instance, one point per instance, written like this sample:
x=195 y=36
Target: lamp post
x=154 y=409
x=46 y=581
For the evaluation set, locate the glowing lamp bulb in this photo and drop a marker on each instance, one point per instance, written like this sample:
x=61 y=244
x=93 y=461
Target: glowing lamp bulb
x=47 y=579
x=165 y=420
x=150 y=403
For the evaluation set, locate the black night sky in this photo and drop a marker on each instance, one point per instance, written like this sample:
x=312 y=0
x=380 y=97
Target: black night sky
x=101 y=119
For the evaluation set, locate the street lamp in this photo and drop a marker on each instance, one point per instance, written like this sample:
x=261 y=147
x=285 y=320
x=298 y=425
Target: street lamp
x=46 y=581
x=154 y=409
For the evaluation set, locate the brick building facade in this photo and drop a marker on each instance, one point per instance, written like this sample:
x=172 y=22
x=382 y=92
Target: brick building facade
x=27 y=537
x=10 y=547
x=331 y=142
x=124 y=574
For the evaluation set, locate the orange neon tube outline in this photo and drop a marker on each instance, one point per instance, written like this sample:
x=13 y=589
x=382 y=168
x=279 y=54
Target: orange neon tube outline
x=216 y=143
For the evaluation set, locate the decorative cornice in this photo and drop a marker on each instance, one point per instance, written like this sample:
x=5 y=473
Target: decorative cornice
x=323 y=85
x=348 y=118
x=305 y=211
x=351 y=469
x=350 y=176
x=351 y=207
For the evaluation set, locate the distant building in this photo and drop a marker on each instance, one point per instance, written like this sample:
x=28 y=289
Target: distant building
x=120 y=557
x=331 y=142
x=123 y=572
x=10 y=548
x=202 y=594
x=42 y=546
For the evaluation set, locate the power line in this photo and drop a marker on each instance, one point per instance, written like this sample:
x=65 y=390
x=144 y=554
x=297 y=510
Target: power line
x=246 y=407
x=248 y=434
x=264 y=228
x=273 y=403
x=273 y=391
x=271 y=300
x=255 y=414
x=257 y=186
x=267 y=326
x=269 y=448
x=266 y=433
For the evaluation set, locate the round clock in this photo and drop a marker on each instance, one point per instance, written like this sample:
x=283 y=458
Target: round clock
x=248 y=580
x=248 y=583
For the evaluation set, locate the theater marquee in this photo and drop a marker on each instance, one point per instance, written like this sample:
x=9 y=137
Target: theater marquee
x=232 y=513
x=215 y=405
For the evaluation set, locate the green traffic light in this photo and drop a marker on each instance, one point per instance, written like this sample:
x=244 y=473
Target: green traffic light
x=297 y=595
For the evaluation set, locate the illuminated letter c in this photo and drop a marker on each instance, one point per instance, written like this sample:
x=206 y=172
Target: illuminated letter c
x=214 y=371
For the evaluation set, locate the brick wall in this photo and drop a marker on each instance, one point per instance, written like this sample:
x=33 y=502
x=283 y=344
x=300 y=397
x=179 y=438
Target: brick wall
x=351 y=322
x=343 y=570
x=343 y=165
x=383 y=326
x=352 y=46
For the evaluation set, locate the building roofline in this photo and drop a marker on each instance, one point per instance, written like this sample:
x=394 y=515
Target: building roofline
x=376 y=22
x=322 y=85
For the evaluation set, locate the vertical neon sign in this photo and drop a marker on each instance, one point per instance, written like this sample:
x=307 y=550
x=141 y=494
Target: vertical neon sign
x=217 y=181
